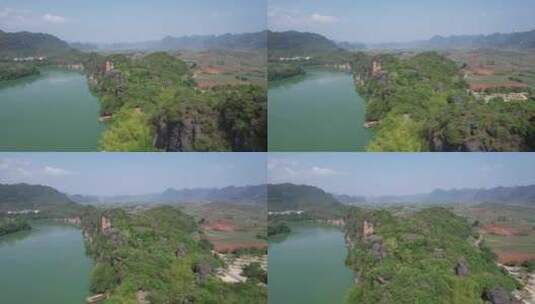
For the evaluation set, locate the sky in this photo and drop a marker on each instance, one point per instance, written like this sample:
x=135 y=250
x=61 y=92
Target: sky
x=105 y=21
x=377 y=174
x=132 y=173
x=376 y=21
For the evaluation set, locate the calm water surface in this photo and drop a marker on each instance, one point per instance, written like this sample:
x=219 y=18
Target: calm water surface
x=320 y=111
x=47 y=265
x=54 y=111
x=308 y=266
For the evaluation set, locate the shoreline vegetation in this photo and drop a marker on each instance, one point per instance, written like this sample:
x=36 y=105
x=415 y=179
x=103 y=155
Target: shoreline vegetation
x=12 y=225
x=280 y=71
x=14 y=71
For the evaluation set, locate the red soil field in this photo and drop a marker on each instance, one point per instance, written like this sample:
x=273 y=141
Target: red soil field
x=230 y=248
x=482 y=71
x=477 y=87
x=212 y=70
x=221 y=225
x=500 y=230
x=512 y=257
x=206 y=84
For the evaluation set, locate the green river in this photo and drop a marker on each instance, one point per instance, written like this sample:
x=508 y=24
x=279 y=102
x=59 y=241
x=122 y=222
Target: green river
x=320 y=111
x=54 y=111
x=47 y=265
x=307 y=266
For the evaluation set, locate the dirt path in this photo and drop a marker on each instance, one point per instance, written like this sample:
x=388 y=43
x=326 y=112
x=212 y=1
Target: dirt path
x=527 y=294
x=232 y=273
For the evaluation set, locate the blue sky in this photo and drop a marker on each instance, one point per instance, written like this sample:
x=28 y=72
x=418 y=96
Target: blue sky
x=132 y=173
x=131 y=20
x=400 y=20
x=375 y=174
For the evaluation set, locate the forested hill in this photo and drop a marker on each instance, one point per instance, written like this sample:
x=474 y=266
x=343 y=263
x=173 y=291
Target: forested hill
x=155 y=104
x=428 y=257
x=293 y=43
x=423 y=103
x=520 y=40
x=158 y=255
x=23 y=196
x=23 y=44
x=283 y=197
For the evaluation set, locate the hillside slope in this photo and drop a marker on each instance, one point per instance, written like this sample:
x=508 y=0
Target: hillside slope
x=283 y=197
x=426 y=257
x=22 y=44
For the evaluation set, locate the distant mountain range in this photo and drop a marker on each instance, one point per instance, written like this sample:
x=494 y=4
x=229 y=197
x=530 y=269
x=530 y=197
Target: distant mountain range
x=284 y=197
x=25 y=44
x=350 y=199
x=246 y=195
x=15 y=197
x=293 y=43
x=524 y=195
x=520 y=40
x=246 y=41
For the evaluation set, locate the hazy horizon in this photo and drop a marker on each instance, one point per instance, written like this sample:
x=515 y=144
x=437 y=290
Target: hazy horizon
x=386 y=174
x=389 y=21
x=122 y=21
x=111 y=174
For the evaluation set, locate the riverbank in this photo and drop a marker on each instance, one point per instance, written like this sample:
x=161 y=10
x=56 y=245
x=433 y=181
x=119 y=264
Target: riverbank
x=8 y=226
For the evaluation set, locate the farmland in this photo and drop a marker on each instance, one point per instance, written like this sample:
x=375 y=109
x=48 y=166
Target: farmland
x=223 y=67
x=232 y=227
x=508 y=230
x=489 y=68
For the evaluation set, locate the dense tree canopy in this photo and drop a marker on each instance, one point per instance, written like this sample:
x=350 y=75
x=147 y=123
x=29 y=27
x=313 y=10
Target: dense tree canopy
x=176 y=116
x=422 y=103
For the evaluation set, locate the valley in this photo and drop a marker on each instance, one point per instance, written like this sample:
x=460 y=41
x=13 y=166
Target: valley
x=438 y=95
x=147 y=99
x=149 y=252
x=456 y=249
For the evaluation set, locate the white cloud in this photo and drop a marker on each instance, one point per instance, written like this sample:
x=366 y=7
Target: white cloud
x=323 y=18
x=16 y=170
x=287 y=170
x=53 y=171
x=8 y=15
x=12 y=20
x=323 y=171
x=54 y=18
x=284 y=19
